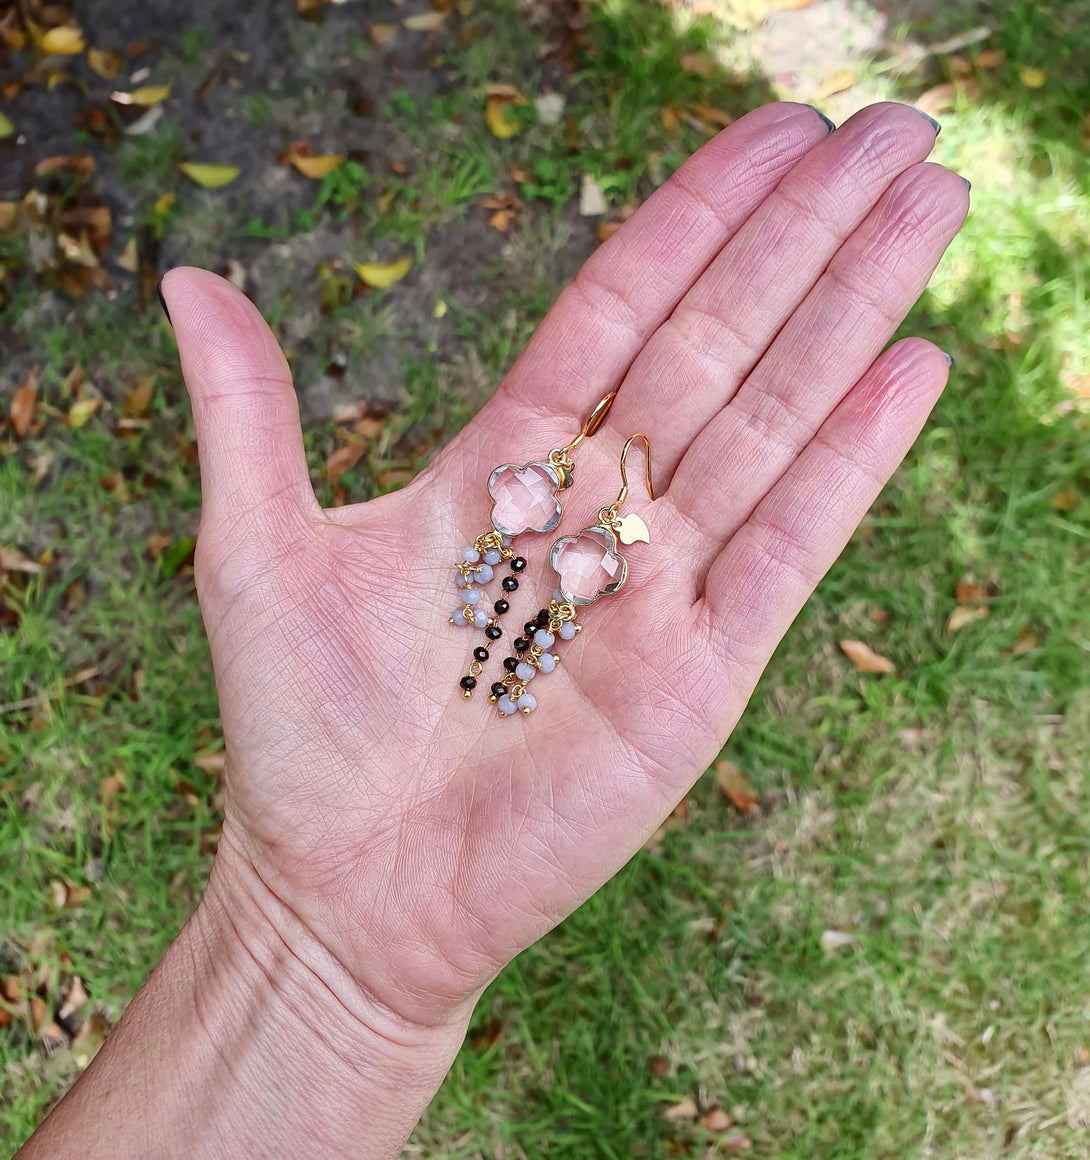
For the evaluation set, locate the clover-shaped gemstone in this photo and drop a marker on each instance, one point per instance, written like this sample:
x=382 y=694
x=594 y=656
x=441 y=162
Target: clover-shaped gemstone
x=524 y=498
x=588 y=565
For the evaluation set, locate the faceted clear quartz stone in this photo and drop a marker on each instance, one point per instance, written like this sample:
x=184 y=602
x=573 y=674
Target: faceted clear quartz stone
x=588 y=565
x=524 y=498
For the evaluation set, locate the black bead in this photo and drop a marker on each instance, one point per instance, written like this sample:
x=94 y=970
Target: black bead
x=493 y=632
x=542 y=619
x=468 y=683
x=499 y=689
x=510 y=584
x=510 y=663
x=480 y=654
x=529 y=628
x=518 y=564
x=521 y=644
x=501 y=606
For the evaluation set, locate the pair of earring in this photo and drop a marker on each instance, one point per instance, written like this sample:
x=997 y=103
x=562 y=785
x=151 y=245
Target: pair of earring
x=587 y=565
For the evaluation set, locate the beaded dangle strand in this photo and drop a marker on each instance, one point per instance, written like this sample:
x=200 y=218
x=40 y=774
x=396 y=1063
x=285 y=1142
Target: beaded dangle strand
x=588 y=567
x=524 y=499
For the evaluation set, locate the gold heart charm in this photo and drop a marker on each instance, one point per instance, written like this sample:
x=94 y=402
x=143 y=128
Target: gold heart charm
x=631 y=529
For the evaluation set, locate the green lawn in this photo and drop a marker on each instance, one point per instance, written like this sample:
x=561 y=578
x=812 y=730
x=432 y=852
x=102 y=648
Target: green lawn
x=889 y=956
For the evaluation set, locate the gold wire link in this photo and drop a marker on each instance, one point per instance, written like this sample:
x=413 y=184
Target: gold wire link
x=476 y=669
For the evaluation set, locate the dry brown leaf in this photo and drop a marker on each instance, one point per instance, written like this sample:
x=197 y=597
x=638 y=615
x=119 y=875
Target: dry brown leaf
x=104 y=62
x=12 y=560
x=212 y=762
x=658 y=1066
x=701 y=63
x=158 y=542
x=110 y=787
x=502 y=220
x=966 y=591
x=736 y=1142
x=962 y=616
x=138 y=400
x=734 y=786
x=865 y=659
x=837 y=83
x=684 y=1110
x=319 y=165
x=671 y=120
x=944 y=98
x=381 y=33
x=606 y=230
x=74 y=1000
x=12 y=988
x=342 y=460
x=712 y=115
x=39 y=1012
x=24 y=403
x=1064 y=501
x=425 y=21
x=717 y=1120
x=1025 y=642
x=81 y=164
x=990 y=58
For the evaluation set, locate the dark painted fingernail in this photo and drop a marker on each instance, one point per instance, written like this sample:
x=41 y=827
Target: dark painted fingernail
x=949 y=359
x=162 y=300
x=831 y=125
x=968 y=183
x=930 y=120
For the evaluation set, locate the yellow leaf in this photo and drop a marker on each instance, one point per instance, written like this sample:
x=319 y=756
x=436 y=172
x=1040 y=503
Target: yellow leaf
x=9 y=214
x=209 y=175
x=425 y=21
x=64 y=41
x=103 y=62
x=6 y=126
x=500 y=123
x=164 y=204
x=317 y=167
x=379 y=274
x=81 y=411
x=146 y=97
x=1033 y=78
x=837 y=83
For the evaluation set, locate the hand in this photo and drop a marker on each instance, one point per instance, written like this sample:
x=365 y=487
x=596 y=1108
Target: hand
x=405 y=843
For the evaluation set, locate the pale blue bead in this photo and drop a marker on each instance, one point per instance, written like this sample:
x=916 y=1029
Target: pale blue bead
x=506 y=541
x=492 y=557
x=480 y=618
x=460 y=581
x=459 y=616
x=559 y=596
x=567 y=630
x=527 y=702
x=472 y=596
x=470 y=555
x=543 y=638
x=546 y=662
x=484 y=575
x=525 y=672
x=505 y=705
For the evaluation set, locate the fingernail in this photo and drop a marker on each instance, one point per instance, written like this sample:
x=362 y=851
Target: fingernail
x=930 y=120
x=968 y=183
x=831 y=125
x=162 y=300
x=949 y=359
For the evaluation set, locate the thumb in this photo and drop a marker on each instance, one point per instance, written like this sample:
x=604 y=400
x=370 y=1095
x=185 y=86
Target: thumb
x=254 y=478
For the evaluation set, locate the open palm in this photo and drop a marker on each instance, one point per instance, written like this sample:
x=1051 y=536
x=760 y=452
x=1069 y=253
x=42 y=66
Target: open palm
x=418 y=838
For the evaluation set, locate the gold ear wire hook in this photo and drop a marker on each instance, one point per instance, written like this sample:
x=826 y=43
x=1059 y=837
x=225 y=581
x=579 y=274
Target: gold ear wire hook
x=594 y=420
x=623 y=495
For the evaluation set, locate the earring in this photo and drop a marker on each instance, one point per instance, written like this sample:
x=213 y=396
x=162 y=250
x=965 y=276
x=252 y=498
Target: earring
x=588 y=566
x=524 y=499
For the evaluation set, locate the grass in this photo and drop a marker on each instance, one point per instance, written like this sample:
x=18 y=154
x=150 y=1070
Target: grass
x=936 y=821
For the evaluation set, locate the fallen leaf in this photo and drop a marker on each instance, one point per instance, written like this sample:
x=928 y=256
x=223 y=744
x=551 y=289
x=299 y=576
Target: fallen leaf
x=342 y=460
x=320 y=165
x=658 y=1066
x=82 y=410
x=497 y=117
x=865 y=659
x=990 y=58
x=9 y=215
x=64 y=41
x=89 y=1038
x=144 y=97
x=1025 y=642
x=138 y=400
x=736 y=1142
x=592 y=201
x=837 y=83
x=701 y=63
x=381 y=33
x=961 y=616
x=734 y=786
x=74 y=1000
x=425 y=21
x=712 y=115
x=24 y=404
x=129 y=258
x=944 y=98
x=684 y=1110
x=671 y=121
x=382 y=274
x=606 y=230
x=7 y=126
x=209 y=175
x=39 y=1012
x=717 y=1120
x=835 y=940
x=212 y=762
x=13 y=560
x=158 y=542
x=966 y=591
x=1064 y=501
x=103 y=62
x=81 y=164
x=502 y=220
x=1033 y=78
x=110 y=787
